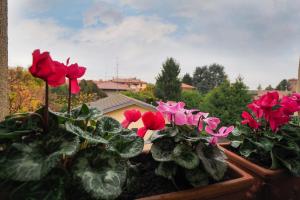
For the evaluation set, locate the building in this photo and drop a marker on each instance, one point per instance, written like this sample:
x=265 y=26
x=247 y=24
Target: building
x=186 y=87
x=110 y=87
x=117 y=85
x=133 y=83
x=115 y=105
x=292 y=84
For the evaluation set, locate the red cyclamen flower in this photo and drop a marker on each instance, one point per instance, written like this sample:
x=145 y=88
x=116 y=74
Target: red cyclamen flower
x=43 y=67
x=73 y=72
x=152 y=121
x=248 y=119
x=131 y=116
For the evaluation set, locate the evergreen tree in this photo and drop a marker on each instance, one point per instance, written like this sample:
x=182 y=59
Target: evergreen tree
x=192 y=99
x=187 y=79
x=259 y=87
x=207 y=78
x=283 y=85
x=227 y=101
x=168 y=85
x=269 y=87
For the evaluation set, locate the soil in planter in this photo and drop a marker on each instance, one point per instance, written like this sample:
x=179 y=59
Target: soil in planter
x=147 y=183
x=265 y=162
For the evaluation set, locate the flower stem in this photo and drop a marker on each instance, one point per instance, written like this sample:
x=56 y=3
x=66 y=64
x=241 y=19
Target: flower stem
x=46 y=112
x=69 y=98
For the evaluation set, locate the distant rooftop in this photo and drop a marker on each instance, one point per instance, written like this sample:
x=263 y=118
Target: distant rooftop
x=186 y=86
x=128 y=80
x=109 y=85
x=118 y=101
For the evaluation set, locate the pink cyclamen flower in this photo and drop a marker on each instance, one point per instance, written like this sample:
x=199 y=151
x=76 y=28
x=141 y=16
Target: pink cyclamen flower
x=131 y=116
x=174 y=111
x=212 y=122
x=193 y=119
x=170 y=107
x=222 y=133
x=73 y=73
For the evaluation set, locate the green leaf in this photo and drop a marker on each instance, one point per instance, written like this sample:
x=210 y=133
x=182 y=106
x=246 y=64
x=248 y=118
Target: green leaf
x=213 y=160
x=127 y=146
x=6 y=134
x=108 y=125
x=184 y=156
x=167 y=132
x=275 y=162
x=288 y=158
x=162 y=149
x=33 y=161
x=81 y=113
x=247 y=148
x=46 y=190
x=197 y=177
x=236 y=143
x=91 y=138
x=236 y=132
x=167 y=170
x=103 y=180
x=263 y=143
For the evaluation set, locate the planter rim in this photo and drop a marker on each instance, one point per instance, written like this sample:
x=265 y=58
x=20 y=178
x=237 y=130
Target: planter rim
x=254 y=168
x=244 y=181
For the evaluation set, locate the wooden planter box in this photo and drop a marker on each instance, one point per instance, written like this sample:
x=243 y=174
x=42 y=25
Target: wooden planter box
x=234 y=189
x=268 y=184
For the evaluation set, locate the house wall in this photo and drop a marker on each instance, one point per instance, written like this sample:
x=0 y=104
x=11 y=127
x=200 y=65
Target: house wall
x=118 y=115
x=187 y=89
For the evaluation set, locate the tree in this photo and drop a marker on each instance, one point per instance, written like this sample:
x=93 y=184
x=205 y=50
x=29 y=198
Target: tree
x=259 y=87
x=227 y=101
x=283 y=85
x=269 y=87
x=146 y=95
x=26 y=92
x=88 y=86
x=89 y=92
x=168 y=85
x=207 y=78
x=192 y=99
x=4 y=104
x=187 y=79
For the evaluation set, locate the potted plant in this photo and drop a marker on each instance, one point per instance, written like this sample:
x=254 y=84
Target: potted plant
x=267 y=143
x=184 y=161
x=80 y=154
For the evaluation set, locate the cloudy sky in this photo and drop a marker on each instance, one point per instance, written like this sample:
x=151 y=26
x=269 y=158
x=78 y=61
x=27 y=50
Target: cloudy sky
x=257 y=39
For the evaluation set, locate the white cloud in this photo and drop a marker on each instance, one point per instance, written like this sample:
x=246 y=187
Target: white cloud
x=257 y=39
x=102 y=12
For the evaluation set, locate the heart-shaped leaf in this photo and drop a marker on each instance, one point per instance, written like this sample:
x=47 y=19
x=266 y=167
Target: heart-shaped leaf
x=167 y=170
x=127 y=146
x=108 y=125
x=31 y=162
x=213 y=160
x=184 y=156
x=197 y=177
x=162 y=149
x=103 y=181
x=91 y=138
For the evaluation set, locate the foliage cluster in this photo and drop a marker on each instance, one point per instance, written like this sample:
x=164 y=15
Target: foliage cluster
x=83 y=155
x=227 y=101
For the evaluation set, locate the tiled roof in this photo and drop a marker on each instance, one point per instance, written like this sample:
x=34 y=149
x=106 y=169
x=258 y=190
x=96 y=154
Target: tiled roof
x=183 y=85
x=109 y=85
x=118 y=101
x=128 y=80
